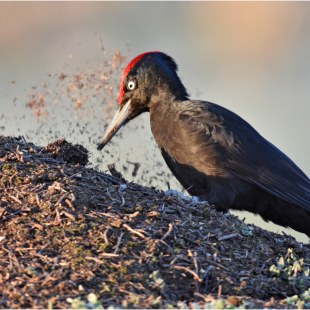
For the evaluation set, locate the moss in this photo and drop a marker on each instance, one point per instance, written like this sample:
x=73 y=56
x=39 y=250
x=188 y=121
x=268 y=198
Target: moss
x=76 y=228
x=101 y=247
x=6 y=167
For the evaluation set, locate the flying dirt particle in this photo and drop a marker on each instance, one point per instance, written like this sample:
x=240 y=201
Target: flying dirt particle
x=78 y=103
x=135 y=169
x=62 y=76
x=100 y=43
x=38 y=105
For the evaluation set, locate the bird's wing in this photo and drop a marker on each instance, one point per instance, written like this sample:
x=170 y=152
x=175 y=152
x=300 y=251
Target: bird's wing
x=245 y=153
x=275 y=173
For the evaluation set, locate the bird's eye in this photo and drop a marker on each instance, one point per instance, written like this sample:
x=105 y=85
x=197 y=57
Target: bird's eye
x=131 y=85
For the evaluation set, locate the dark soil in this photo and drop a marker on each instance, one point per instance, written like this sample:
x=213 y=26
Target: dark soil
x=68 y=231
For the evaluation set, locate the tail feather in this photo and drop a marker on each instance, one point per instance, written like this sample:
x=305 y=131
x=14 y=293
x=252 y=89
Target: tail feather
x=288 y=215
x=272 y=208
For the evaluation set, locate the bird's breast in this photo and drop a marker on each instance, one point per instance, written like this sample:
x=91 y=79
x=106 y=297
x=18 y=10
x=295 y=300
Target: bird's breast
x=187 y=142
x=164 y=127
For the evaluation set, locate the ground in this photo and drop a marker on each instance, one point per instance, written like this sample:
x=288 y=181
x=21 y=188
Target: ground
x=71 y=236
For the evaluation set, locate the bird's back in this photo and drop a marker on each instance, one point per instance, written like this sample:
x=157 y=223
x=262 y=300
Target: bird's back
x=215 y=154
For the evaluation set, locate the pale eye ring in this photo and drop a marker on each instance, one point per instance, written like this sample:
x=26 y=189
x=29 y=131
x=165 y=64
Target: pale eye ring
x=131 y=85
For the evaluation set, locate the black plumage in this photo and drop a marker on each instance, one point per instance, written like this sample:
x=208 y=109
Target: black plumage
x=213 y=152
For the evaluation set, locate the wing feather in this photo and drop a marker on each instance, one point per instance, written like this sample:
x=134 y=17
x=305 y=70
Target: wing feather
x=242 y=151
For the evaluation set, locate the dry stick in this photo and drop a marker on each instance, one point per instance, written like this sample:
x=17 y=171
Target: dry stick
x=134 y=231
x=98 y=261
x=195 y=261
x=216 y=264
x=176 y=258
x=48 y=278
x=57 y=217
x=109 y=255
x=105 y=255
x=132 y=215
x=164 y=243
x=12 y=215
x=194 y=274
x=196 y=268
x=64 y=196
x=37 y=199
x=68 y=215
x=201 y=296
x=118 y=243
x=12 y=255
x=168 y=232
x=228 y=237
x=122 y=199
x=105 y=236
x=16 y=199
x=219 y=292
x=206 y=277
x=75 y=174
x=69 y=203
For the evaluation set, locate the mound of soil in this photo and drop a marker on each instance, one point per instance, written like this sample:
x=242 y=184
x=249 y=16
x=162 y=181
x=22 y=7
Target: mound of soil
x=71 y=236
x=71 y=154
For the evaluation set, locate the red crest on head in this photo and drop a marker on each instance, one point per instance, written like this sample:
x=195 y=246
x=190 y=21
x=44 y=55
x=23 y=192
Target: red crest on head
x=130 y=65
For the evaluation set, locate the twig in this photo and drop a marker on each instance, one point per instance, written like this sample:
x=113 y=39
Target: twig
x=170 y=227
x=16 y=199
x=216 y=264
x=94 y=259
x=132 y=215
x=109 y=255
x=48 y=278
x=228 y=237
x=206 y=277
x=12 y=214
x=219 y=292
x=12 y=255
x=176 y=258
x=121 y=190
x=118 y=243
x=64 y=196
x=68 y=215
x=134 y=231
x=105 y=236
x=37 y=199
x=104 y=255
x=57 y=217
x=164 y=243
x=194 y=274
x=69 y=203
x=75 y=174
x=195 y=261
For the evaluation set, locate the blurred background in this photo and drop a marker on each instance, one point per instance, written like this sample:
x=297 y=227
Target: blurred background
x=60 y=65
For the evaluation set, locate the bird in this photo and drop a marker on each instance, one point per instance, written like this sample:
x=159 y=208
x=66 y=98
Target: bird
x=213 y=152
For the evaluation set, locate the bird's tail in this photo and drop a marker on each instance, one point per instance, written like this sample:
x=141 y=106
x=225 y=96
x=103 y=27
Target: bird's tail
x=272 y=208
x=286 y=214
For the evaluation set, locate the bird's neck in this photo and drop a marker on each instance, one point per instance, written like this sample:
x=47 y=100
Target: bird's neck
x=164 y=102
x=162 y=115
x=161 y=99
x=166 y=94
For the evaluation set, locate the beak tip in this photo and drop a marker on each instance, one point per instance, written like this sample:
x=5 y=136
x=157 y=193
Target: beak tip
x=120 y=118
x=100 y=146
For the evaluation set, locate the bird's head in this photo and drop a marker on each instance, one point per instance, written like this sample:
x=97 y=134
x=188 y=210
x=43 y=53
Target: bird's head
x=148 y=78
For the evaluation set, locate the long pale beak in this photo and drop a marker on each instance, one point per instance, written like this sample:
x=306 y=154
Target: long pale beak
x=118 y=121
